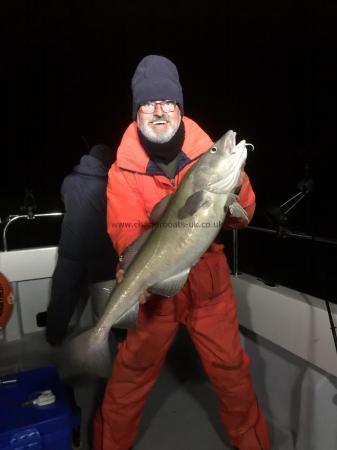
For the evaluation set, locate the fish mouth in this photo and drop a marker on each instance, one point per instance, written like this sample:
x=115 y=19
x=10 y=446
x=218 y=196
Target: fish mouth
x=230 y=139
x=241 y=150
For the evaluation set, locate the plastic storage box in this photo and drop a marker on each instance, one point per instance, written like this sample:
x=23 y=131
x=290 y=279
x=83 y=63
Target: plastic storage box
x=34 y=412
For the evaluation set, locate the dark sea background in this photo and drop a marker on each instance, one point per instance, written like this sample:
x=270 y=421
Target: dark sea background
x=266 y=70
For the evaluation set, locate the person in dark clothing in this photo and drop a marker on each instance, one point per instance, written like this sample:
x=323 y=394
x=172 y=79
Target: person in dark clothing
x=85 y=252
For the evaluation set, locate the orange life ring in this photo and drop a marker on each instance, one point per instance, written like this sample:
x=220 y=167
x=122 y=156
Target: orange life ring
x=6 y=300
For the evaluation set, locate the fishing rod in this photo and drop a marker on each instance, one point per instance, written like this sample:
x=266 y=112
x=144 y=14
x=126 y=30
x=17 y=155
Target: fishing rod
x=332 y=323
x=279 y=215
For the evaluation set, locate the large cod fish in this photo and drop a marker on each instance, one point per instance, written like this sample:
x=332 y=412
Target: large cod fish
x=168 y=251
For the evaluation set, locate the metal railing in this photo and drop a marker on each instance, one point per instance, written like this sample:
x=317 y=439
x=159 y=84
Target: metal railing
x=280 y=232
x=283 y=232
x=15 y=217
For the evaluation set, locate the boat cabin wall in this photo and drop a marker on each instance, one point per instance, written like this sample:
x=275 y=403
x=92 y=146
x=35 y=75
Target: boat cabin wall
x=30 y=272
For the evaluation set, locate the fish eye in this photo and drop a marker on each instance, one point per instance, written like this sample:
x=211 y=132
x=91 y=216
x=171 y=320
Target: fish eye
x=213 y=150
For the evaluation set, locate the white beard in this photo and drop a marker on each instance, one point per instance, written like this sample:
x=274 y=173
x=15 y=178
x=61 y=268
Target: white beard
x=158 y=138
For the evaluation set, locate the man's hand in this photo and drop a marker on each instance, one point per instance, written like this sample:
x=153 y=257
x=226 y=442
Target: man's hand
x=143 y=297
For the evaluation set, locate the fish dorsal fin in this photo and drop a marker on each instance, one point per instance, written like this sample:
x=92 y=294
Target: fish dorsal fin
x=171 y=285
x=159 y=209
x=130 y=252
x=129 y=319
x=198 y=200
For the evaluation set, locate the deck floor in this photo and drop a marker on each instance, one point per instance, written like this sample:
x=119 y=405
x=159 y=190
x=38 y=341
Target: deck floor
x=181 y=410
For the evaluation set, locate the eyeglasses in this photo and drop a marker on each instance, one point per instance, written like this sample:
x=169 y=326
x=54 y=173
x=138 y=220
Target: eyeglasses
x=166 y=106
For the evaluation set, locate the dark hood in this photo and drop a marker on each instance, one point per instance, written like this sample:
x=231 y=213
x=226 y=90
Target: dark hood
x=89 y=165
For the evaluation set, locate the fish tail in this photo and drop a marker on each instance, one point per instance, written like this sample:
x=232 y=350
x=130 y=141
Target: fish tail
x=89 y=352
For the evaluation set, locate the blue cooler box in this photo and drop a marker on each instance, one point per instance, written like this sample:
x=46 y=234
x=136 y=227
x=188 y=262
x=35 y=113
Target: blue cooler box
x=28 y=426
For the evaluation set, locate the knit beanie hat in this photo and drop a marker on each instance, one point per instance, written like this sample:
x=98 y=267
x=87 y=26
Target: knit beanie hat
x=156 y=78
x=103 y=153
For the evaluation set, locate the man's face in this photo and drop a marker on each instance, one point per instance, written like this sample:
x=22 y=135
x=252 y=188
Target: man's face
x=159 y=126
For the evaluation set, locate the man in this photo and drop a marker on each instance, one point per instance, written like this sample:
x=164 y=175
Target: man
x=85 y=252
x=155 y=152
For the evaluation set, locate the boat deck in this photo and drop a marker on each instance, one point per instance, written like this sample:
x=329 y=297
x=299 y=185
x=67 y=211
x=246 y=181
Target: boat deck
x=285 y=332
x=181 y=410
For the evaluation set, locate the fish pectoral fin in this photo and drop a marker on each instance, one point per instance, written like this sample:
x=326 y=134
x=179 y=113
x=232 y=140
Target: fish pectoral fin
x=159 y=209
x=129 y=319
x=194 y=202
x=234 y=208
x=171 y=285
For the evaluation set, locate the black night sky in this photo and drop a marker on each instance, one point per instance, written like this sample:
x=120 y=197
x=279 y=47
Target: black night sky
x=265 y=69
